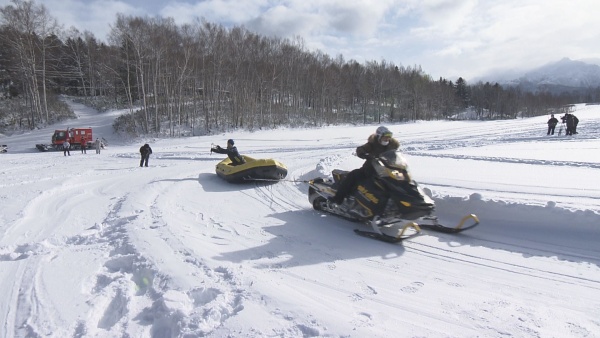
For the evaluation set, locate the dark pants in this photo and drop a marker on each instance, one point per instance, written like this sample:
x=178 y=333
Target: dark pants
x=66 y=151
x=144 y=160
x=551 y=129
x=348 y=184
x=569 y=129
x=83 y=151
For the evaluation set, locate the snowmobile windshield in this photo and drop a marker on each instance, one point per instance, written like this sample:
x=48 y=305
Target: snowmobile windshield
x=392 y=164
x=394 y=160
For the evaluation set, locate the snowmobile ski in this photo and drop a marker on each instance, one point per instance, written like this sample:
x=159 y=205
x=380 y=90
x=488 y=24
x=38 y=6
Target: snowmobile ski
x=379 y=237
x=391 y=234
x=435 y=226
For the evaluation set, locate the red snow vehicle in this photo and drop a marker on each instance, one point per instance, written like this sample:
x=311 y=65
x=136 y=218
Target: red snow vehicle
x=73 y=134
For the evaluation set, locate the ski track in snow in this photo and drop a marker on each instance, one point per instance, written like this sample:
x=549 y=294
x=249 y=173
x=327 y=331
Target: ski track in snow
x=511 y=160
x=135 y=289
x=129 y=287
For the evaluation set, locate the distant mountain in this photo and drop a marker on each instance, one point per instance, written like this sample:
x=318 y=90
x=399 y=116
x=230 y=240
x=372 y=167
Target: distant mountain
x=593 y=61
x=565 y=75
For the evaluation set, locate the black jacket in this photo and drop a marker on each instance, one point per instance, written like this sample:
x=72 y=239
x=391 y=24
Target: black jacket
x=232 y=153
x=145 y=150
x=373 y=149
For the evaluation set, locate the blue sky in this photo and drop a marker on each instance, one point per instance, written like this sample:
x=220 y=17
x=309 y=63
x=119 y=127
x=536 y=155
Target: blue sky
x=447 y=38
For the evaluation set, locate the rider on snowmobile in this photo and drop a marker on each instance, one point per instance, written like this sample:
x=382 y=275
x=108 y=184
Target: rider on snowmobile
x=377 y=143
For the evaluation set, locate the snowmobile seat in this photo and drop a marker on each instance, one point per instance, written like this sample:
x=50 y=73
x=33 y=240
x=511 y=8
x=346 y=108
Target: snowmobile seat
x=338 y=175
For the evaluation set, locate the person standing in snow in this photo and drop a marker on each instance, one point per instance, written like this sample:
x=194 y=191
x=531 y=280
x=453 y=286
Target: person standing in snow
x=145 y=152
x=66 y=147
x=83 y=145
x=377 y=144
x=575 y=123
x=568 y=118
x=552 y=122
x=97 y=145
x=231 y=151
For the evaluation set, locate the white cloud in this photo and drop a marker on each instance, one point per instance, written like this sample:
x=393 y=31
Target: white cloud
x=285 y=22
x=473 y=37
x=448 y=38
x=95 y=16
x=358 y=18
x=218 y=11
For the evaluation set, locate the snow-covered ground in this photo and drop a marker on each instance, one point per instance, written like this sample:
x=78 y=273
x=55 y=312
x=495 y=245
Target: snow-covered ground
x=95 y=246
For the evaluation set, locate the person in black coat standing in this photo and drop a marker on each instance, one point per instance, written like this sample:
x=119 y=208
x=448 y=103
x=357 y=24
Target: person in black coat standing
x=552 y=122
x=145 y=151
x=568 y=120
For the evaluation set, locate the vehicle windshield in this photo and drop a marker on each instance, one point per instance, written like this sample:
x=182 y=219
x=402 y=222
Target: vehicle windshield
x=393 y=160
x=60 y=135
x=391 y=164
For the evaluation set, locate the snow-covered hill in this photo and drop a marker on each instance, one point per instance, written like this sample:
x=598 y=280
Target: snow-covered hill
x=563 y=75
x=566 y=72
x=92 y=245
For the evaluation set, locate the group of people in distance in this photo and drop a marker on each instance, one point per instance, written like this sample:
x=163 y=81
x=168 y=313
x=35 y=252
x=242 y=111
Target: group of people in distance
x=66 y=146
x=569 y=119
x=145 y=150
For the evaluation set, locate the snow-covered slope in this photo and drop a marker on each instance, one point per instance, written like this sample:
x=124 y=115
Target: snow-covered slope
x=95 y=246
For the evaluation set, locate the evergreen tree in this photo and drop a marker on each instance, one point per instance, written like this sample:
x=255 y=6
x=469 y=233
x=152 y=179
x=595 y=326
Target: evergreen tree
x=462 y=92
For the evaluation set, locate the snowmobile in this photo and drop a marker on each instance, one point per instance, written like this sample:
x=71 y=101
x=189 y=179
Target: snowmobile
x=389 y=201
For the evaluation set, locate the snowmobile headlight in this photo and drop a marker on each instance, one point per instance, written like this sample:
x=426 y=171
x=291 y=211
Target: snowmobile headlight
x=406 y=204
x=395 y=174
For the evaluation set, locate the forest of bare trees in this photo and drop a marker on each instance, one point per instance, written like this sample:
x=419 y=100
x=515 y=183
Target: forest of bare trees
x=205 y=77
